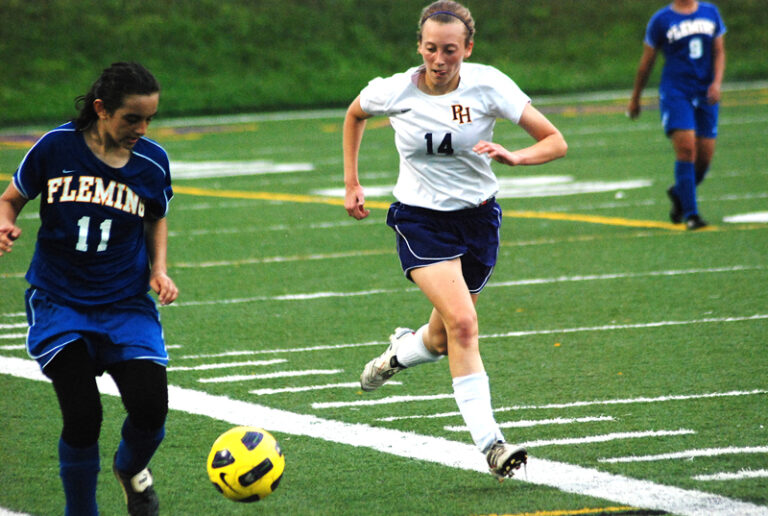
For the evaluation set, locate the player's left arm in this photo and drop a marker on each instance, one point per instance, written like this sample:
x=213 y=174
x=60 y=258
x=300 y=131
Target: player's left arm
x=156 y=232
x=718 y=69
x=11 y=203
x=549 y=145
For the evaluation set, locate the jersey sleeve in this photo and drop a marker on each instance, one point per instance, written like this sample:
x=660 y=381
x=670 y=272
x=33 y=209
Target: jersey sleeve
x=507 y=99
x=721 y=29
x=29 y=177
x=158 y=207
x=654 y=32
x=380 y=96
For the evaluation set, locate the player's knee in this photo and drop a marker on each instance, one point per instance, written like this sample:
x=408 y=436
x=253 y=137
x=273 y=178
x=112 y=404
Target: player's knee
x=82 y=426
x=148 y=414
x=463 y=327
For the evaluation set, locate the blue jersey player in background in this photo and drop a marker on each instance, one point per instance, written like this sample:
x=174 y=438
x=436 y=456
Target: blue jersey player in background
x=104 y=191
x=691 y=36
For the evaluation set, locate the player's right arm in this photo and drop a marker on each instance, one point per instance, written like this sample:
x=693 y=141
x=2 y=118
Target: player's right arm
x=11 y=203
x=641 y=79
x=354 y=126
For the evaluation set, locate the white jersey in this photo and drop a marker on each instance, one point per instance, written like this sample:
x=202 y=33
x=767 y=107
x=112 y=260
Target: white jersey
x=434 y=134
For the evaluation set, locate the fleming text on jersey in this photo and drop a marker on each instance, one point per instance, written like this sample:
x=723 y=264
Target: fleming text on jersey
x=91 y=189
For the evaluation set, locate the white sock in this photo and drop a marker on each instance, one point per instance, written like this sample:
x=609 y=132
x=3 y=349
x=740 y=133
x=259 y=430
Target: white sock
x=413 y=351
x=473 y=396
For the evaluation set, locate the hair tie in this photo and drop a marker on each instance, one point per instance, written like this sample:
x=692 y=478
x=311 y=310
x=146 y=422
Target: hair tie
x=449 y=13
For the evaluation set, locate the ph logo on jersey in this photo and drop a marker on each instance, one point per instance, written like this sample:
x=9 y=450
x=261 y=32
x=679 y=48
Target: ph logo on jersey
x=461 y=114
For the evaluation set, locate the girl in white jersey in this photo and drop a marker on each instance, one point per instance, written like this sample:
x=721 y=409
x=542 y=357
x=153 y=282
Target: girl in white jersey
x=446 y=219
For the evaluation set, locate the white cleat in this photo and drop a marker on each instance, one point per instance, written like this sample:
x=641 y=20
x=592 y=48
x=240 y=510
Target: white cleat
x=384 y=367
x=504 y=459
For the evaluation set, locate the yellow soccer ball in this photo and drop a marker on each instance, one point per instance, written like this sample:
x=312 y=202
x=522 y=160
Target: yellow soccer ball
x=245 y=464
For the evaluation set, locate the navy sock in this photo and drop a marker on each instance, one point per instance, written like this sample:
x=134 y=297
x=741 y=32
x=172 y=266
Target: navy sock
x=79 y=471
x=700 y=175
x=137 y=447
x=685 y=187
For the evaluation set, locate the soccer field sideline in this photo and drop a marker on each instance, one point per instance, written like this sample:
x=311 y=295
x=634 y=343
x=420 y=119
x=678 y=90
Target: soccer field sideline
x=563 y=476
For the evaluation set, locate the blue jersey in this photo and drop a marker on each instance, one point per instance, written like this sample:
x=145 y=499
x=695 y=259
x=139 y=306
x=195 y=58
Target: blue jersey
x=91 y=245
x=686 y=41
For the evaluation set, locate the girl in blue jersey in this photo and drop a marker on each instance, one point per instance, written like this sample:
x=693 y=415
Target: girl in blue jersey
x=446 y=219
x=104 y=190
x=691 y=35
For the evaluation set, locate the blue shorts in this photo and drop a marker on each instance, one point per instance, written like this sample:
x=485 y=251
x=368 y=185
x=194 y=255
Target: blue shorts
x=425 y=237
x=681 y=112
x=125 y=330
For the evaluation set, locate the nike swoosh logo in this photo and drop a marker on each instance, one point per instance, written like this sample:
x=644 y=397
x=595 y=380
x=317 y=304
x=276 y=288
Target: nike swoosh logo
x=65 y=171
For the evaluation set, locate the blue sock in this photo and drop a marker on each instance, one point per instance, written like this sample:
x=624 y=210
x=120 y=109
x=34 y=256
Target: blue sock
x=137 y=447
x=685 y=187
x=79 y=470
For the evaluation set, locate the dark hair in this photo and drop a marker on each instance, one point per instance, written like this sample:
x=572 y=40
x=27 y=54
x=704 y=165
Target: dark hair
x=445 y=11
x=112 y=86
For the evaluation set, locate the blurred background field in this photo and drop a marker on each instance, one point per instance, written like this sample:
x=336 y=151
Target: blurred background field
x=600 y=315
x=215 y=56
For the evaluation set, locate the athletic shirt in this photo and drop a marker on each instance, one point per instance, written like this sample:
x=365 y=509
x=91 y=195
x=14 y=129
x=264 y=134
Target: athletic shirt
x=91 y=245
x=434 y=134
x=687 y=41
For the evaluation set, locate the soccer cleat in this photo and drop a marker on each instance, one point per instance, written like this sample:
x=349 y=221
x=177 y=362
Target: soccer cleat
x=383 y=367
x=504 y=459
x=695 y=222
x=139 y=494
x=676 y=213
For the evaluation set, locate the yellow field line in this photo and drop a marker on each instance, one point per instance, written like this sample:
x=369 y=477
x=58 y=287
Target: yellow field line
x=585 y=510
x=316 y=199
x=595 y=219
x=572 y=217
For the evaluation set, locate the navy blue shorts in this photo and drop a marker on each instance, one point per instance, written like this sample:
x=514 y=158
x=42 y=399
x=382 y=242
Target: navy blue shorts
x=125 y=330
x=688 y=113
x=425 y=237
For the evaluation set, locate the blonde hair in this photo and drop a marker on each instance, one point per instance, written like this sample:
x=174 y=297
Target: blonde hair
x=445 y=11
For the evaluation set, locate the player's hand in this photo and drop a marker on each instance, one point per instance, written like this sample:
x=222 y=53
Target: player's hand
x=8 y=234
x=633 y=110
x=164 y=287
x=354 y=203
x=713 y=94
x=497 y=152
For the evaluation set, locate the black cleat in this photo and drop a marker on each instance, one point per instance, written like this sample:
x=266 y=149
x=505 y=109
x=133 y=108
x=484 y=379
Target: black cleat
x=676 y=213
x=695 y=222
x=503 y=459
x=139 y=494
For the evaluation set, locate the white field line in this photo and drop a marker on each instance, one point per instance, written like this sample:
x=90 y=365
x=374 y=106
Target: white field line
x=559 y=475
x=689 y=454
x=14 y=275
x=625 y=401
x=277 y=227
x=13 y=336
x=526 y=423
x=13 y=347
x=498 y=284
x=8 y=512
x=282 y=259
x=742 y=474
x=14 y=314
x=612 y=327
x=12 y=326
x=605 y=438
x=307 y=388
x=205 y=367
x=288 y=350
x=269 y=376
x=382 y=401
